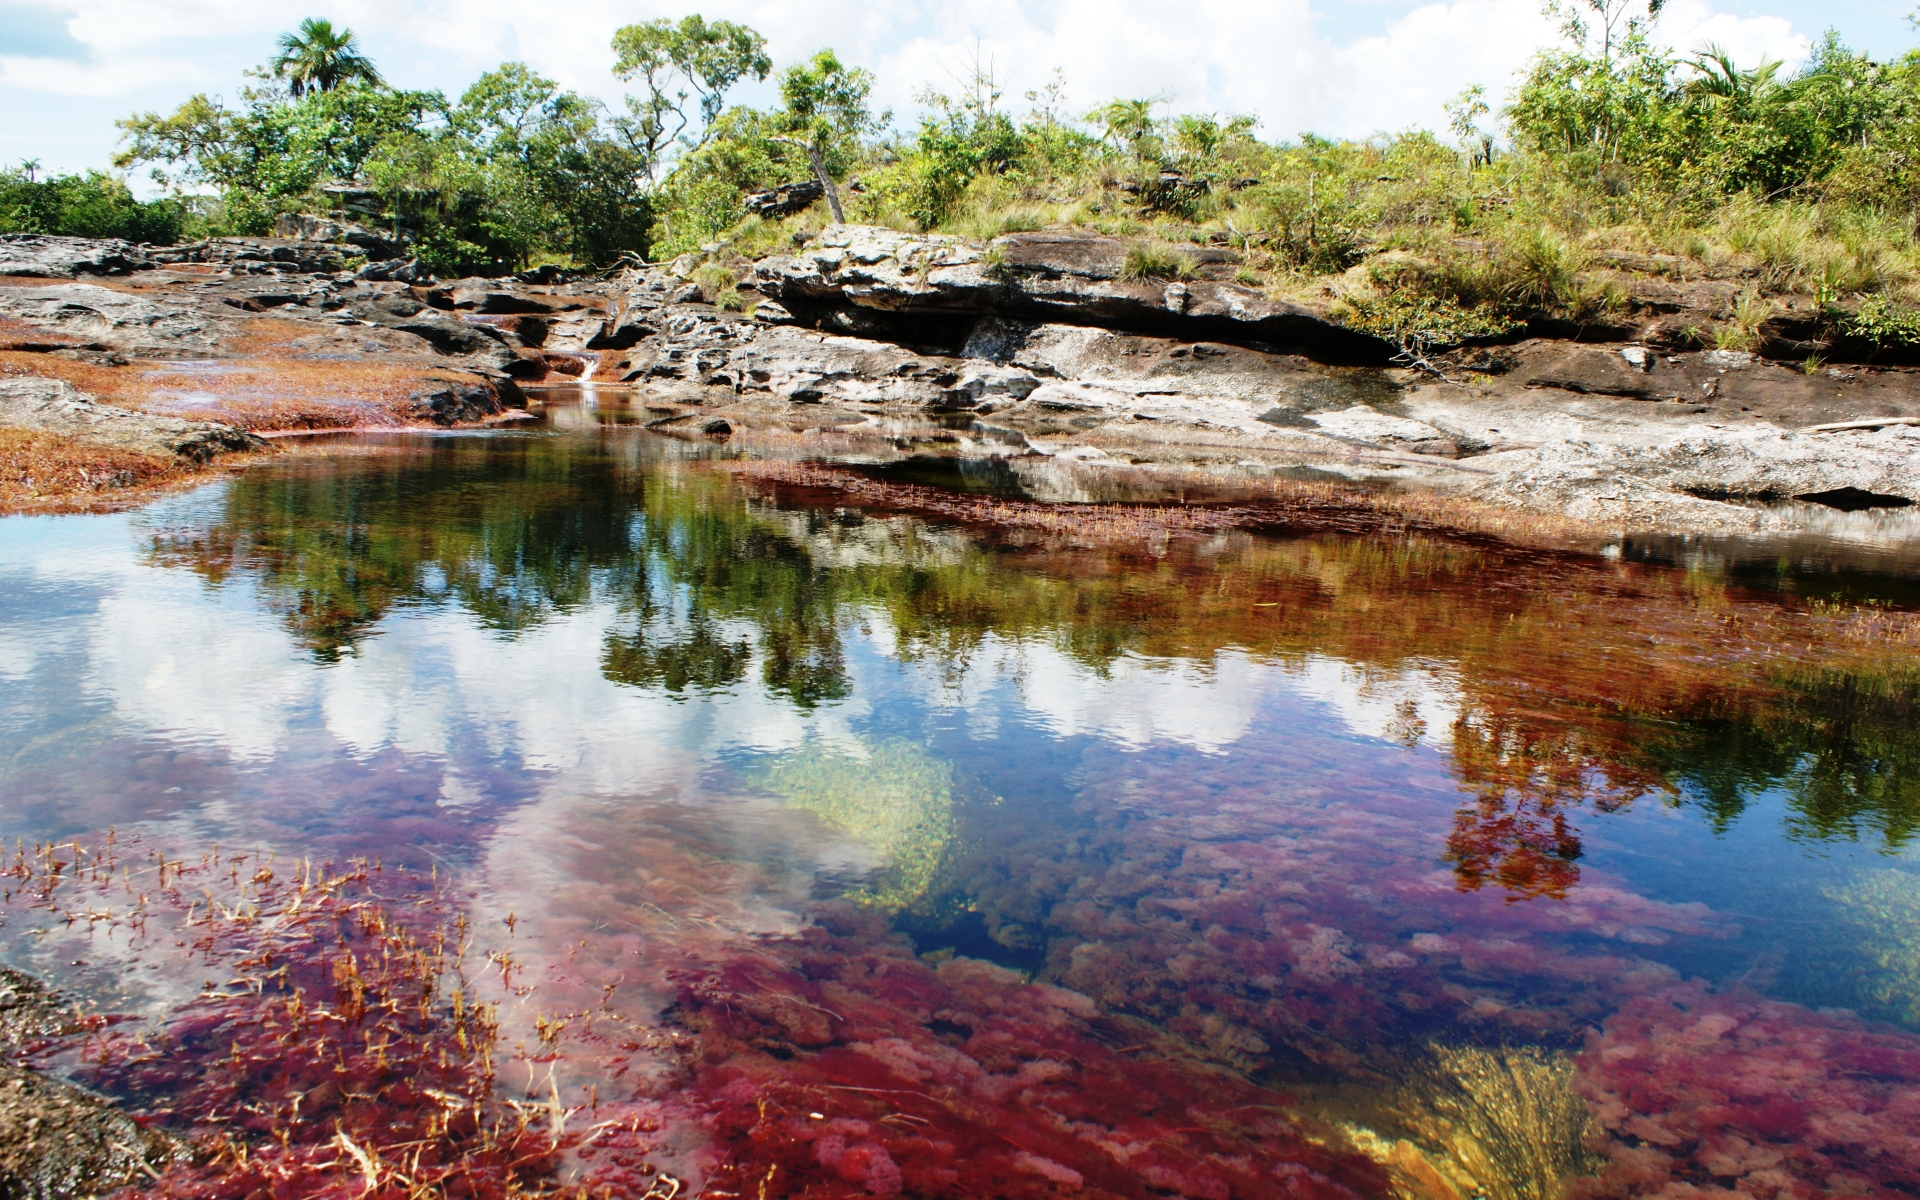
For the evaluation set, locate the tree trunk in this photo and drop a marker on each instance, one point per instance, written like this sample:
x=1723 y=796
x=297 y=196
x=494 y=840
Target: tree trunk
x=826 y=181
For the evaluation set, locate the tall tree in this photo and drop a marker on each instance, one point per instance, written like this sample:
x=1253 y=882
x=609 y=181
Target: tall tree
x=320 y=58
x=693 y=60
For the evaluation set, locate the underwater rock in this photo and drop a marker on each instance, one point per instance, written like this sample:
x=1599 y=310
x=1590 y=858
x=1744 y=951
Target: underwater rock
x=1739 y=1095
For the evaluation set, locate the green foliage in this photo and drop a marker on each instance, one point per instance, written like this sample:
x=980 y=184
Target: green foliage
x=1797 y=180
x=1884 y=323
x=93 y=205
x=270 y=156
x=517 y=168
x=1421 y=324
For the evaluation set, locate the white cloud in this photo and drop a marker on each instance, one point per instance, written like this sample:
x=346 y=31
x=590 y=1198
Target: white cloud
x=1262 y=56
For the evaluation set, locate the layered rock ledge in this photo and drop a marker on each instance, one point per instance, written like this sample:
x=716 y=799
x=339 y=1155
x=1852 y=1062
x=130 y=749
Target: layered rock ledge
x=1047 y=345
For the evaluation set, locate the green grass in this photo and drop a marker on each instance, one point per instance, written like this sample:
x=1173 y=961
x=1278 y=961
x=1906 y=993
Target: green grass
x=1148 y=262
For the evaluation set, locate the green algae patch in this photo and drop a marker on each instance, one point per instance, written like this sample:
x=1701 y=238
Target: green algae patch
x=1883 y=909
x=895 y=797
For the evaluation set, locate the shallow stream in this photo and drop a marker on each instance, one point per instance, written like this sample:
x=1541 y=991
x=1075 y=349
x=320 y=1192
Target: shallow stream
x=978 y=846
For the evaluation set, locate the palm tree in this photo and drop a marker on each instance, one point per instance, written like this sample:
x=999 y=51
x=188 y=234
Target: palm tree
x=319 y=59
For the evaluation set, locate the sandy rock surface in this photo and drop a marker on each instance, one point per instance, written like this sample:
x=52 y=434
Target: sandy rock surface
x=55 y=406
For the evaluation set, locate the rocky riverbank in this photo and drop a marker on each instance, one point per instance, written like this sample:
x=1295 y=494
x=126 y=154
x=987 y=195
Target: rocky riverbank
x=1052 y=344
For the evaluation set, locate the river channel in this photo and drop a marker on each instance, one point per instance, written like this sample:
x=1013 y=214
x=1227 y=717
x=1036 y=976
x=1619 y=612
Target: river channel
x=843 y=828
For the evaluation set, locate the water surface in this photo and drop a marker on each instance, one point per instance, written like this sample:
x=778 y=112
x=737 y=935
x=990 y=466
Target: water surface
x=1415 y=840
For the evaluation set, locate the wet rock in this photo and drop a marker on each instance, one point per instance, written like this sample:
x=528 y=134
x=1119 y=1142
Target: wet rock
x=53 y=406
x=38 y=256
x=57 y=1141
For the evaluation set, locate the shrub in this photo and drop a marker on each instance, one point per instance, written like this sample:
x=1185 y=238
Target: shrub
x=1884 y=323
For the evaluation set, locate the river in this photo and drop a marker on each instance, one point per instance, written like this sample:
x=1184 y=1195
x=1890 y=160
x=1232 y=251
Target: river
x=809 y=829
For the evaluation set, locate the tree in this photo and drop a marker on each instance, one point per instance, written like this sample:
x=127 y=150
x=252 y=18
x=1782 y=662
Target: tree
x=1463 y=114
x=824 y=114
x=1615 y=21
x=269 y=156
x=317 y=58
x=678 y=63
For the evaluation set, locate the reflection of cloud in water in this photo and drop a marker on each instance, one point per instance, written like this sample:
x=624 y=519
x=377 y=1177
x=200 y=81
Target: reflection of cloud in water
x=434 y=681
x=1210 y=705
x=1406 y=706
x=209 y=664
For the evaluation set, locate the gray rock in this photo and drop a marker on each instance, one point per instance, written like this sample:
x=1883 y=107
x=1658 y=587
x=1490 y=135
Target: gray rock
x=132 y=324
x=38 y=256
x=54 y=406
x=57 y=1141
x=1041 y=277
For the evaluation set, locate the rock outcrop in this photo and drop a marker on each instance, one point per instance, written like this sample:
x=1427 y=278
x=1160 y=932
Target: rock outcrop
x=37 y=256
x=1054 y=344
x=867 y=280
x=54 y=406
x=1043 y=338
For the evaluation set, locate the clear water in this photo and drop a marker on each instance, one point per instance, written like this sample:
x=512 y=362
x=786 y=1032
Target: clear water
x=1394 y=830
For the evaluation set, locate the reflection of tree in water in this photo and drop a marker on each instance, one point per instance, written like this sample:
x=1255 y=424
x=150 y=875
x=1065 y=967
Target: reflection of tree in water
x=1529 y=778
x=703 y=659
x=1582 y=683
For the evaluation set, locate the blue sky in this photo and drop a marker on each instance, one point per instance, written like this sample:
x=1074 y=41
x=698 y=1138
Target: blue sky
x=69 y=68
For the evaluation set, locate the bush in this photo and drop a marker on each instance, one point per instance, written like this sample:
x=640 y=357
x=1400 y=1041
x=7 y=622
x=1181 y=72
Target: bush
x=93 y=205
x=1884 y=323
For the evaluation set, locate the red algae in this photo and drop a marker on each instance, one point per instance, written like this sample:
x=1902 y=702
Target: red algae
x=837 y=1064
x=1708 y=1095
x=349 y=1048
x=345 y=1051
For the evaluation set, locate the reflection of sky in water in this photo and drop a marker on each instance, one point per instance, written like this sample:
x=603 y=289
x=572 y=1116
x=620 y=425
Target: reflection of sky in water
x=1238 y=789
x=97 y=632
x=140 y=691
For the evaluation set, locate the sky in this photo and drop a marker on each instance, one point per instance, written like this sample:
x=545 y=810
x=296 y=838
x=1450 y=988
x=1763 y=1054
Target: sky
x=70 y=68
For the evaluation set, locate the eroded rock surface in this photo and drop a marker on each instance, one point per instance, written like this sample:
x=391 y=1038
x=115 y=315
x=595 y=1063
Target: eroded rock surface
x=57 y=1141
x=55 y=406
x=36 y=256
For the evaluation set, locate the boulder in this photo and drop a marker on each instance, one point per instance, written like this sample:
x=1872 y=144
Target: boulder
x=306 y=227
x=785 y=200
x=54 y=406
x=450 y=402
x=38 y=256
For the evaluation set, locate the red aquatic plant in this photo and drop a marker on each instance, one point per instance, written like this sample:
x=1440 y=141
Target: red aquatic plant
x=1699 y=1094
x=346 y=1052
x=837 y=1064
